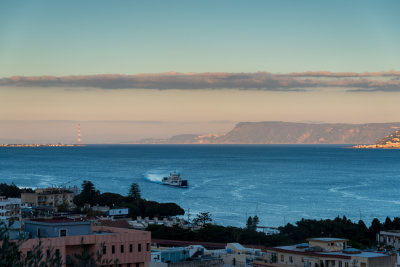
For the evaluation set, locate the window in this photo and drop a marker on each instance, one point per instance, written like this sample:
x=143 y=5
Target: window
x=104 y=249
x=290 y=258
x=148 y=247
x=63 y=232
x=38 y=232
x=122 y=248
x=340 y=264
x=48 y=253
x=130 y=248
x=139 y=248
x=112 y=249
x=282 y=258
x=57 y=252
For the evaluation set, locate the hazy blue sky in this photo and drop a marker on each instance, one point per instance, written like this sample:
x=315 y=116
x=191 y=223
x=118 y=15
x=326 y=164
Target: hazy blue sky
x=44 y=39
x=93 y=37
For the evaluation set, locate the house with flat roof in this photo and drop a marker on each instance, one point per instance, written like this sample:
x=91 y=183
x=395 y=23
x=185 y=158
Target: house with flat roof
x=189 y=256
x=325 y=252
x=52 y=197
x=57 y=227
x=127 y=247
x=13 y=229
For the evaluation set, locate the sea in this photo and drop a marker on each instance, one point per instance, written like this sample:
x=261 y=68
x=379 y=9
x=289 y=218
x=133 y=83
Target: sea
x=279 y=183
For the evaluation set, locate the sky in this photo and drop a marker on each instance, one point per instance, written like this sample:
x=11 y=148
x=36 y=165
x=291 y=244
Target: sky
x=128 y=70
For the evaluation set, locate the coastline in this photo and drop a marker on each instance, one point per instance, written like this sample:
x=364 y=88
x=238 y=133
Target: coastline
x=377 y=146
x=37 y=145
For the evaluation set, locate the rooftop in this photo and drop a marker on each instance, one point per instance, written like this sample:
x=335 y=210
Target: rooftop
x=237 y=246
x=337 y=254
x=60 y=220
x=116 y=223
x=327 y=239
x=177 y=243
x=49 y=191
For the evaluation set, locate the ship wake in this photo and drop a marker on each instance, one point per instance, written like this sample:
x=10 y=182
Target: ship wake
x=154 y=176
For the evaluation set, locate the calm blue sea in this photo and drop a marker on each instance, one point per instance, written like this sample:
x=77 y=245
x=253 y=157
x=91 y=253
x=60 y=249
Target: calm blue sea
x=281 y=183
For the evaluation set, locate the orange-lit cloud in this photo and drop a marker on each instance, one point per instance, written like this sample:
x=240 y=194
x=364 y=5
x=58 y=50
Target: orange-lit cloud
x=366 y=82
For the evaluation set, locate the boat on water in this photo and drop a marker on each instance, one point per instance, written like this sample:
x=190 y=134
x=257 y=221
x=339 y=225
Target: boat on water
x=174 y=179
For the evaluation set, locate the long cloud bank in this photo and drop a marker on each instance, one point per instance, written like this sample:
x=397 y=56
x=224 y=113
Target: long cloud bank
x=355 y=82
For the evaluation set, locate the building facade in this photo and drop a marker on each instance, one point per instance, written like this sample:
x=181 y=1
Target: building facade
x=125 y=247
x=389 y=238
x=53 y=197
x=10 y=208
x=325 y=252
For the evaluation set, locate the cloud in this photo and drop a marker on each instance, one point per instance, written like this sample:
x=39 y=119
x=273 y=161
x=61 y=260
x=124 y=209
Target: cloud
x=350 y=81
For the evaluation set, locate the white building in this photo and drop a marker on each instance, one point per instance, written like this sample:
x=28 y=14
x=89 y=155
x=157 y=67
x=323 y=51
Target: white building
x=235 y=254
x=327 y=252
x=10 y=208
x=389 y=238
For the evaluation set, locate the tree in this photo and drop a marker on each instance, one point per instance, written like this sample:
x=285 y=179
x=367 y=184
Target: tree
x=249 y=223
x=84 y=258
x=255 y=221
x=134 y=192
x=110 y=199
x=88 y=194
x=36 y=257
x=252 y=223
x=375 y=227
x=9 y=251
x=388 y=224
x=9 y=190
x=10 y=256
x=203 y=218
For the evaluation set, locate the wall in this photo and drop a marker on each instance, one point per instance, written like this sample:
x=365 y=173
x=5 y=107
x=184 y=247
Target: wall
x=29 y=198
x=53 y=229
x=115 y=236
x=389 y=261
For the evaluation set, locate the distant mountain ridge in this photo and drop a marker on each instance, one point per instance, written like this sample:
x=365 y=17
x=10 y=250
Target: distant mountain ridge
x=277 y=132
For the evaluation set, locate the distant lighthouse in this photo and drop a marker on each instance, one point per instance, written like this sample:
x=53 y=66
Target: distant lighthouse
x=79 y=135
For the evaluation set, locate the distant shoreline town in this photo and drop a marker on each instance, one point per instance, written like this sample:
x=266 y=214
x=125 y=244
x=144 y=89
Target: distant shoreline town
x=392 y=141
x=37 y=145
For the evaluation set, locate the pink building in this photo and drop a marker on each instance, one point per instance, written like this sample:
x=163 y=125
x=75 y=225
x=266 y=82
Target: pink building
x=127 y=247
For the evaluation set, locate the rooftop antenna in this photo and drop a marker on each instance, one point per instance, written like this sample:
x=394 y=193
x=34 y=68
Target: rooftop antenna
x=79 y=135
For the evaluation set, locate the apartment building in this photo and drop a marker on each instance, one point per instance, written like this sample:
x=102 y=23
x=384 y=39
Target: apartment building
x=325 y=252
x=53 y=197
x=389 y=238
x=127 y=247
x=10 y=208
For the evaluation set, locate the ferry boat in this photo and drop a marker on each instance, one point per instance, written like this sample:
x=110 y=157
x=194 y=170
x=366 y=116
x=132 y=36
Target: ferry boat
x=174 y=179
